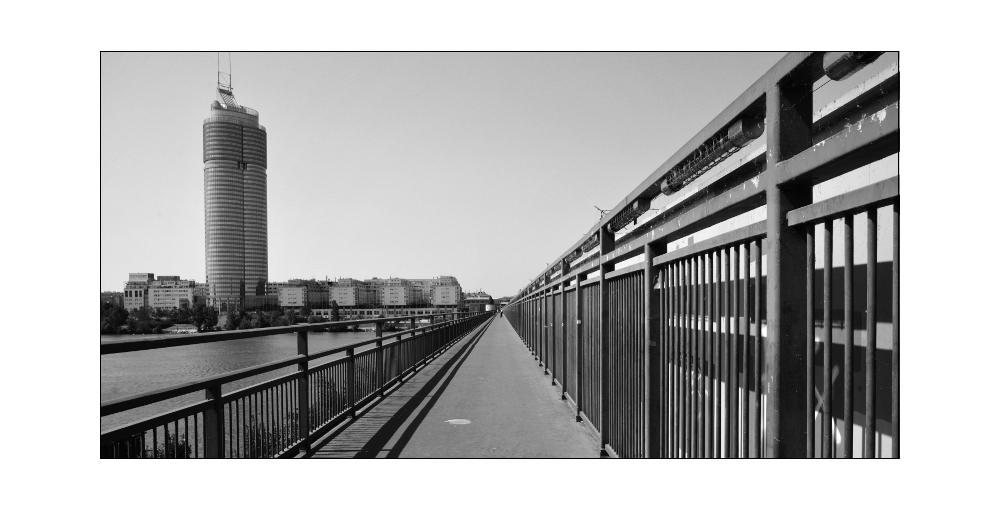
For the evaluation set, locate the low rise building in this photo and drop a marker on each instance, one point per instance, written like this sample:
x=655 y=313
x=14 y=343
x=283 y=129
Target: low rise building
x=351 y=293
x=298 y=293
x=478 y=302
x=136 y=294
x=164 y=292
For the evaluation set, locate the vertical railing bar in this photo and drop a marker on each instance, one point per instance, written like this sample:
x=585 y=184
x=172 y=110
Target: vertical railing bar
x=713 y=303
x=692 y=272
x=810 y=340
x=895 y=330
x=229 y=412
x=724 y=331
x=745 y=408
x=758 y=348
x=274 y=421
x=848 y=336
x=699 y=355
x=734 y=337
x=702 y=357
x=827 y=415
x=672 y=267
x=685 y=444
x=258 y=443
x=871 y=345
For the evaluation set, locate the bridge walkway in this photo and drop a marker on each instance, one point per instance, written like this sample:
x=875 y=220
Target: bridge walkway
x=485 y=397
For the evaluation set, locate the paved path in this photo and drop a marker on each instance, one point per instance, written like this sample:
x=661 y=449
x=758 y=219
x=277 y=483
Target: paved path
x=485 y=397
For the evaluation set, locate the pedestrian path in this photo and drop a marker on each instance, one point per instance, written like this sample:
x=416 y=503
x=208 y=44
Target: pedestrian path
x=485 y=397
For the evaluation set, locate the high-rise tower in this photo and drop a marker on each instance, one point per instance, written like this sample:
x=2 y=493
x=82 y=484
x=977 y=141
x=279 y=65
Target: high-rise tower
x=235 y=156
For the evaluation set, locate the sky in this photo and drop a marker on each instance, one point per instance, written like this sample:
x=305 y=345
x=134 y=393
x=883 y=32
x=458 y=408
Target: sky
x=482 y=166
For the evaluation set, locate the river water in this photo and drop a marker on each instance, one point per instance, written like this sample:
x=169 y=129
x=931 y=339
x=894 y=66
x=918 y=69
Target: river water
x=138 y=372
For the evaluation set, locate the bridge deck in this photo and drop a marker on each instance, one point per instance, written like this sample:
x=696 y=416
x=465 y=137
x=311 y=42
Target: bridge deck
x=489 y=379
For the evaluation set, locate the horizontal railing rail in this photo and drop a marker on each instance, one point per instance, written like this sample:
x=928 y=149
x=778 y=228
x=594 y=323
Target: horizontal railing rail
x=282 y=415
x=697 y=379
x=163 y=341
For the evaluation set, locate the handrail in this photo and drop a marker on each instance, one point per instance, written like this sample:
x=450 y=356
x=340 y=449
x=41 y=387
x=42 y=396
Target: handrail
x=753 y=94
x=128 y=402
x=285 y=426
x=684 y=328
x=164 y=341
x=873 y=195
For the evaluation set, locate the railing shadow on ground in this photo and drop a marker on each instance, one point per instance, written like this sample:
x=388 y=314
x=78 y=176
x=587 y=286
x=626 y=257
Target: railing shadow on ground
x=378 y=441
x=282 y=416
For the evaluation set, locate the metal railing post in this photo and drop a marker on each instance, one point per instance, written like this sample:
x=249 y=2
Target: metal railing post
x=379 y=360
x=607 y=243
x=545 y=360
x=789 y=131
x=562 y=320
x=351 y=381
x=651 y=358
x=579 y=348
x=302 y=338
x=215 y=443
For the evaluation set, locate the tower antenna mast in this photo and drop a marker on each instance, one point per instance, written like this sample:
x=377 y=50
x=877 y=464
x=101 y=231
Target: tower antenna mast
x=224 y=80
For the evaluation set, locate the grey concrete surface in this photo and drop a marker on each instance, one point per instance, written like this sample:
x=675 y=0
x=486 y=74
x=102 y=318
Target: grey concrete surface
x=486 y=397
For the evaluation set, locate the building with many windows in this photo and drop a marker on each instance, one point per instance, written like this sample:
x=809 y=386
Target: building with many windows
x=478 y=302
x=298 y=293
x=137 y=290
x=348 y=292
x=235 y=157
x=166 y=292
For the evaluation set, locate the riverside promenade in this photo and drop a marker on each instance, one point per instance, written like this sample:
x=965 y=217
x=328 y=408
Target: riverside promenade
x=485 y=397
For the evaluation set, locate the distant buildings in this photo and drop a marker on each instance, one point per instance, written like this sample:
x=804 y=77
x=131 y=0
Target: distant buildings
x=478 y=302
x=366 y=297
x=165 y=292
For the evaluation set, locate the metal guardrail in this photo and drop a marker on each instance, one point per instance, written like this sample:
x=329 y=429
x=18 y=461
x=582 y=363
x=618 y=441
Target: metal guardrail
x=282 y=416
x=697 y=353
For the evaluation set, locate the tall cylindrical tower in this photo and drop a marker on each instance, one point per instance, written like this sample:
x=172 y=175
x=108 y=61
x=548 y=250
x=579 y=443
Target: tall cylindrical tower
x=235 y=156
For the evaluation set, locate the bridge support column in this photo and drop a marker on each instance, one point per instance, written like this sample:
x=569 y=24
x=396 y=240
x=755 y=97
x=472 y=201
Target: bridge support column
x=789 y=131
x=607 y=244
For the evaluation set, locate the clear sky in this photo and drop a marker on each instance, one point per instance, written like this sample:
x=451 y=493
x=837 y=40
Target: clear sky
x=482 y=166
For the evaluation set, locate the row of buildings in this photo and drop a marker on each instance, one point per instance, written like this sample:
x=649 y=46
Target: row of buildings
x=352 y=297
x=235 y=172
x=166 y=292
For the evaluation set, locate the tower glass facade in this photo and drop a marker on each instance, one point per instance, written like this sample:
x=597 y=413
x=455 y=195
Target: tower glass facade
x=235 y=157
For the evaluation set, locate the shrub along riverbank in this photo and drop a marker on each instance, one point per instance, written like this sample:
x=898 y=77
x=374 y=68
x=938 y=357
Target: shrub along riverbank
x=117 y=320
